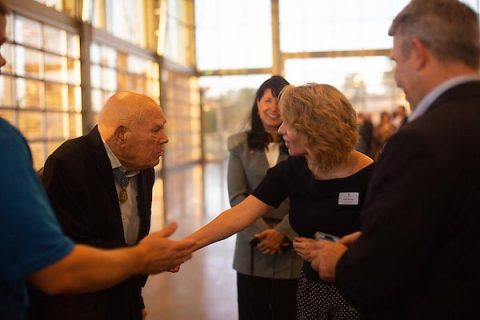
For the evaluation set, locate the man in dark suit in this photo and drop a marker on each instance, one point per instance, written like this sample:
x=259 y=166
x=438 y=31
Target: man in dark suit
x=417 y=254
x=100 y=186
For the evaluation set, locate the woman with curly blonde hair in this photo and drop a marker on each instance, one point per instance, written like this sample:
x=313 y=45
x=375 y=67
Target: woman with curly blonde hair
x=326 y=180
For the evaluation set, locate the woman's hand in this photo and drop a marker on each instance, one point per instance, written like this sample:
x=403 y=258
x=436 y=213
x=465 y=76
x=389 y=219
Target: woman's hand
x=304 y=247
x=271 y=241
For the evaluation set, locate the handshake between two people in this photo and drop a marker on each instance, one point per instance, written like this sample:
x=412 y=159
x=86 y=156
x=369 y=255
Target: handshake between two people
x=162 y=254
x=159 y=254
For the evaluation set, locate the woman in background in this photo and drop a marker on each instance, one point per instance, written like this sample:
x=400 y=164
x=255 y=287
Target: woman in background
x=325 y=179
x=267 y=268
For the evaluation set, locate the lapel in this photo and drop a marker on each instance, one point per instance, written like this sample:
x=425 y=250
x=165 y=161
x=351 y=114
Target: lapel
x=104 y=173
x=143 y=211
x=464 y=91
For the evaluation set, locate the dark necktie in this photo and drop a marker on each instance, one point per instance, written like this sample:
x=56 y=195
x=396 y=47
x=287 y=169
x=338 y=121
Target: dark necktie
x=122 y=181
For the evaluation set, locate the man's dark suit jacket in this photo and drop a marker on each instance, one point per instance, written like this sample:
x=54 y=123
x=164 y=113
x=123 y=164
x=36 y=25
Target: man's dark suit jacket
x=418 y=257
x=79 y=181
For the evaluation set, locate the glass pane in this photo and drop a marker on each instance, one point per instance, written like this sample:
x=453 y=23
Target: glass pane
x=6 y=99
x=122 y=61
x=54 y=40
x=31 y=124
x=233 y=34
x=108 y=56
x=73 y=71
x=153 y=70
x=122 y=81
x=55 y=96
x=10 y=22
x=55 y=68
x=109 y=79
x=57 y=125
x=136 y=83
x=94 y=53
x=336 y=24
x=28 y=32
x=96 y=76
x=57 y=4
x=137 y=65
x=28 y=62
x=7 y=53
x=226 y=106
x=29 y=93
x=75 y=125
x=73 y=45
x=72 y=8
x=153 y=89
x=125 y=19
x=8 y=115
x=97 y=15
x=74 y=99
x=38 y=154
x=97 y=100
x=366 y=81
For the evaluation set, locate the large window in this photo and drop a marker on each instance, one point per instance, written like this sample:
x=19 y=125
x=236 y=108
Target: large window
x=226 y=103
x=40 y=85
x=332 y=25
x=182 y=108
x=233 y=34
x=339 y=42
x=125 y=19
x=113 y=70
x=366 y=81
x=176 y=31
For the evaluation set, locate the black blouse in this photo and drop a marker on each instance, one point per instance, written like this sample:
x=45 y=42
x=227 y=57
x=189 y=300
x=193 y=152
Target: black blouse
x=330 y=206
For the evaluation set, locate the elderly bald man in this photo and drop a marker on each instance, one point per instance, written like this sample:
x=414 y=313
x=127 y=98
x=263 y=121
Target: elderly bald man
x=100 y=186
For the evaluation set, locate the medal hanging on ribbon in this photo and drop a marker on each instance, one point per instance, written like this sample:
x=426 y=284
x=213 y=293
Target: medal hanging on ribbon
x=123 y=196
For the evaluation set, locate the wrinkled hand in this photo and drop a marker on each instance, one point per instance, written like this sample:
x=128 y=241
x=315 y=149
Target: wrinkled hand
x=325 y=256
x=304 y=247
x=161 y=254
x=271 y=241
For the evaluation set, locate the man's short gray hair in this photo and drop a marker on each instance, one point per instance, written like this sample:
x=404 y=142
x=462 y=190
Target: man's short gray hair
x=448 y=27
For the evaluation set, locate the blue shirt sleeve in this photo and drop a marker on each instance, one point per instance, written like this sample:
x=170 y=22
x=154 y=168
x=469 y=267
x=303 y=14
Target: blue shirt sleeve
x=31 y=237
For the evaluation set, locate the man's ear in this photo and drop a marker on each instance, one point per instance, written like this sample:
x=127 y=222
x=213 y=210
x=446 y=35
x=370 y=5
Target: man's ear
x=120 y=135
x=420 y=52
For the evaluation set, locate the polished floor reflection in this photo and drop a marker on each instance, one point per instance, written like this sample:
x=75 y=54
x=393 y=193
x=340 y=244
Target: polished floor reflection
x=205 y=288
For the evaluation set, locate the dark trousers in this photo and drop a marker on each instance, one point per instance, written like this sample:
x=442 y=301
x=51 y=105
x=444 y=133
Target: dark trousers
x=265 y=298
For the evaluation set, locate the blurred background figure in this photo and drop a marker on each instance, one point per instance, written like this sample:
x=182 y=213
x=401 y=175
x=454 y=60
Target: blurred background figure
x=383 y=131
x=399 y=117
x=267 y=267
x=365 y=130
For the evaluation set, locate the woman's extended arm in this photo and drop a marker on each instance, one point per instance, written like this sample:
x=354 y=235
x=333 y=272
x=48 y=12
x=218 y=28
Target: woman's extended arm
x=229 y=222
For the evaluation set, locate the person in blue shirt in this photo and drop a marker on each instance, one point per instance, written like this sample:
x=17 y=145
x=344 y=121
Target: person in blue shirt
x=34 y=249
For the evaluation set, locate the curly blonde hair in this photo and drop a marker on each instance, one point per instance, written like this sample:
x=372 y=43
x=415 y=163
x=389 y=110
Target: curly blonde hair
x=326 y=119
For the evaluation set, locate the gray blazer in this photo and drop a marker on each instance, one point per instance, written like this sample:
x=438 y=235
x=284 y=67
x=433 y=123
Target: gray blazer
x=246 y=169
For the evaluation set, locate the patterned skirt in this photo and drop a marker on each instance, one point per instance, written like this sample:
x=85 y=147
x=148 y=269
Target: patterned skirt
x=322 y=301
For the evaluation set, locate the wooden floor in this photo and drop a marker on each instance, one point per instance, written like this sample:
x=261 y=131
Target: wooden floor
x=205 y=287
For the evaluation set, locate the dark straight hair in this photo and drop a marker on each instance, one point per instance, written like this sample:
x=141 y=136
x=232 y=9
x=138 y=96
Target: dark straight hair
x=257 y=137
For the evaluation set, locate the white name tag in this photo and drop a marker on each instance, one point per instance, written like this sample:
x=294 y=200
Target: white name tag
x=348 y=198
